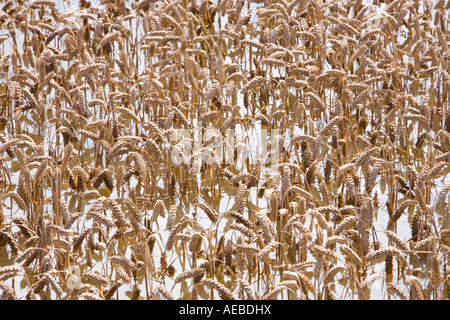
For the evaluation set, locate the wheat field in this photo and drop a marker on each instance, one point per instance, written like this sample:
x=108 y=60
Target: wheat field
x=226 y=149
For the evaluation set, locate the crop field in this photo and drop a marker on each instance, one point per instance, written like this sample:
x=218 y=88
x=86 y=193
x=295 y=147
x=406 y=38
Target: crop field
x=224 y=150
